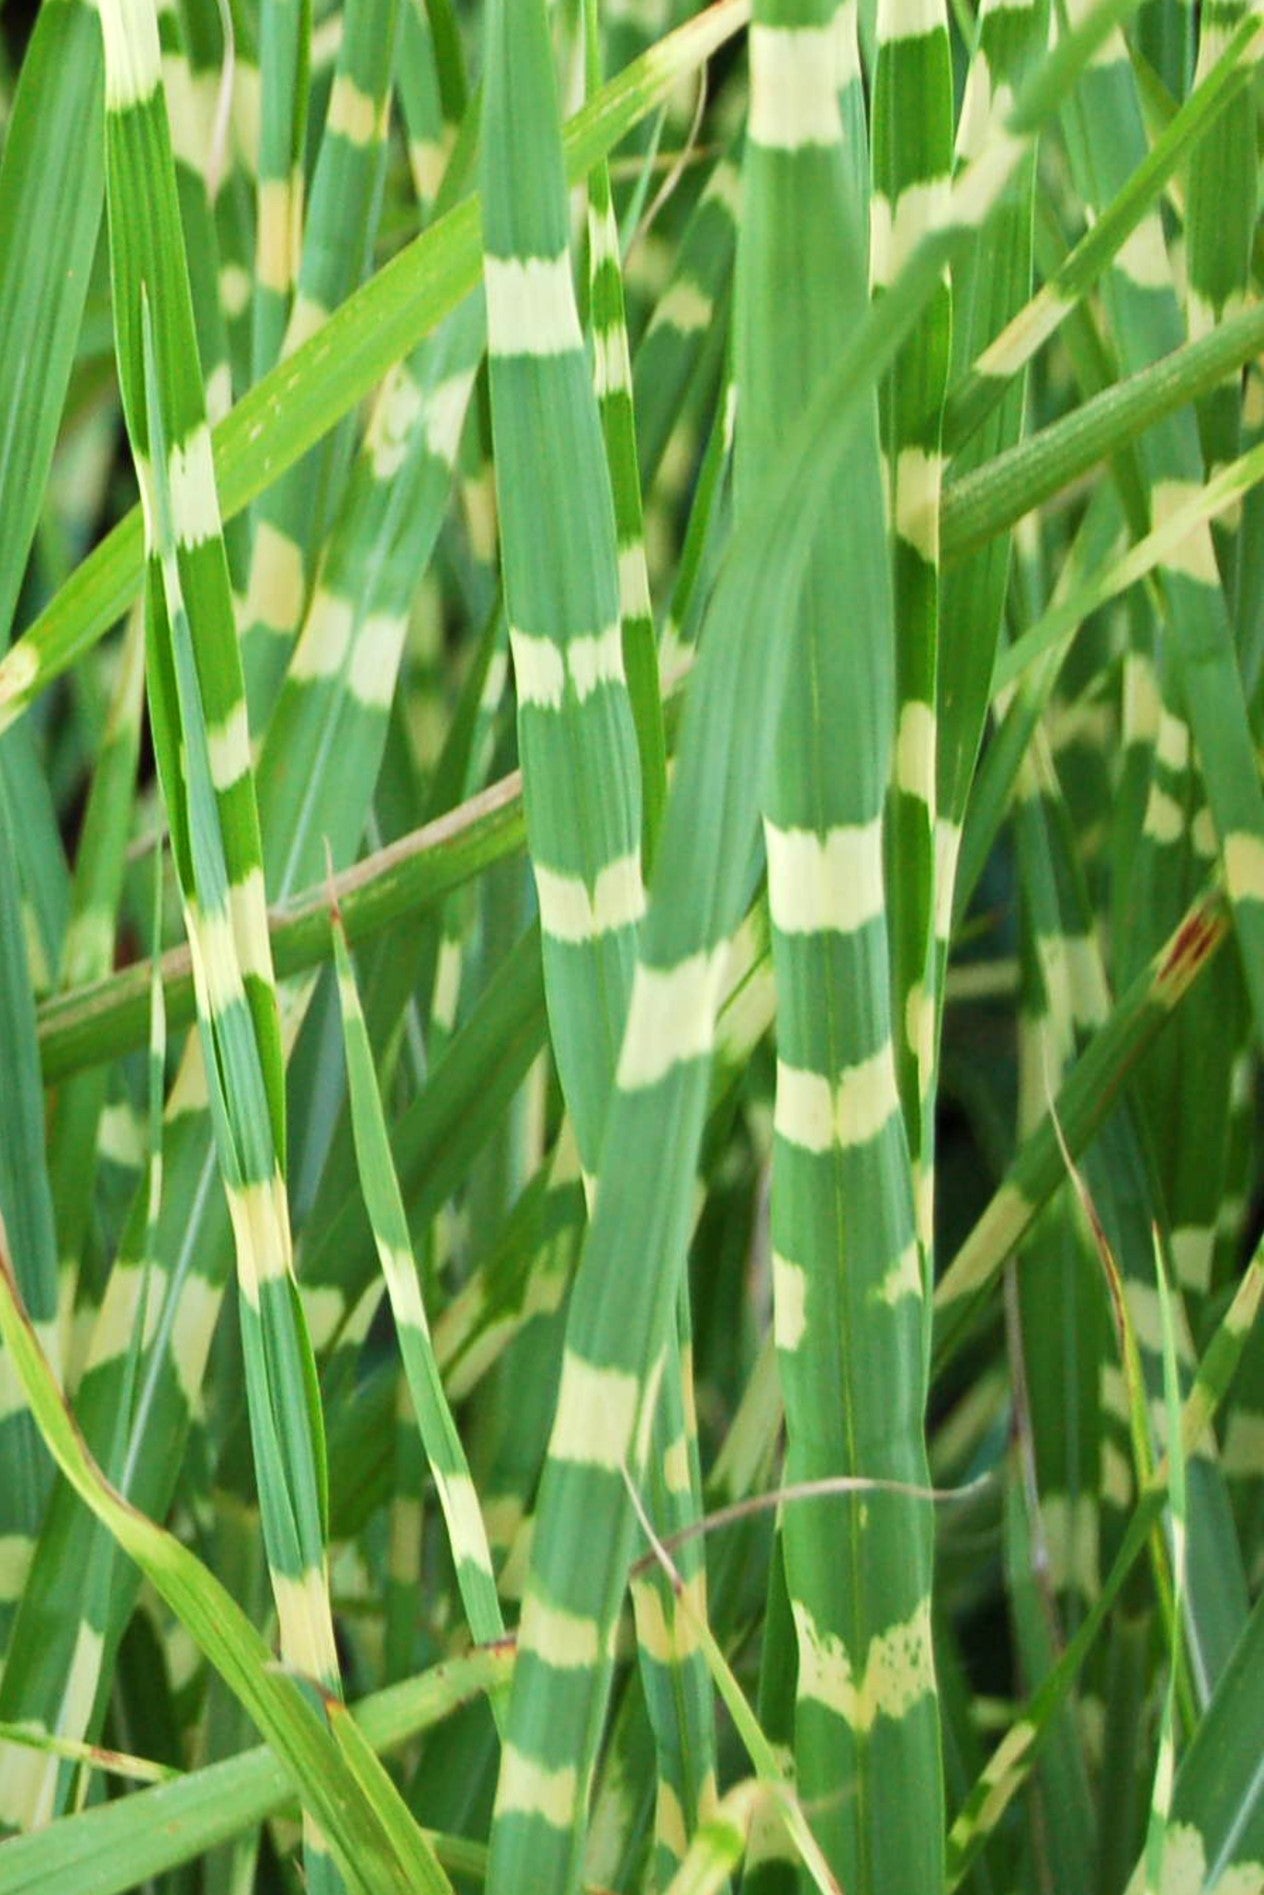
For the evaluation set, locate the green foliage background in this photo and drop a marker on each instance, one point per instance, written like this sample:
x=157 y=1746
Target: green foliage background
x=631 y=947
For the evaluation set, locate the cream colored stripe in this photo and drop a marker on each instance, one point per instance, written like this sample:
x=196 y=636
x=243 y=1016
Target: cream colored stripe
x=530 y=305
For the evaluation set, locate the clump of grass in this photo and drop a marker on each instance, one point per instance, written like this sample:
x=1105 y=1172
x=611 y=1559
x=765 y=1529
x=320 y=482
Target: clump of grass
x=631 y=902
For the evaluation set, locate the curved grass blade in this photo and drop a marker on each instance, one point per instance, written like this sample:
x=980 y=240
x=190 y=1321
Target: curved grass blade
x=1032 y=663
x=433 y=1145
x=201 y=740
x=1124 y=220
x=348 y=1813
x=243 y=1069
x=1017 y=481
x=343 y=705
x=110 y=1848
x=407 y=876
x=1215 y=1829
x=1139 y=1014
x=303 y=397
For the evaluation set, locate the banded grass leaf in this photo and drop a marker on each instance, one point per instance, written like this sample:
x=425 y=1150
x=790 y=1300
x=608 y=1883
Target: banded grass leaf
x=1140 y=1013
x=270 y=429
x=425 y=977
x=1158 y=1836
x=1058 y=1326
x=527 y=1273
x=769 y=1770
x=1221 y=210
x=291 y=517
x=450 y=1470
x=107 y=1850
x=612 y=381
x=1009 y=1767
x=1202 y=696
x=350 y=1817
x=243 y=1068
x=190 y=1335
x=433 y=1145
x=581 y=774
x=689 y=310
x=27 y=1208
x=912 y=155
x=51 y=193
x=510 y=1265
x=1121 y=1194
x=284 y=59
x=201 y=740
x=1215 y=1829
x=195 y=115
x=846 y=1262
x=787 y=1828
x=719 y=1847
x=991 y=283
x=986 y=380
x=487 y=1312
x=678 y=1692
x=618 y=1319
x=89 y=955
x=569 y=630
x=335 y=703
x=431 y=132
